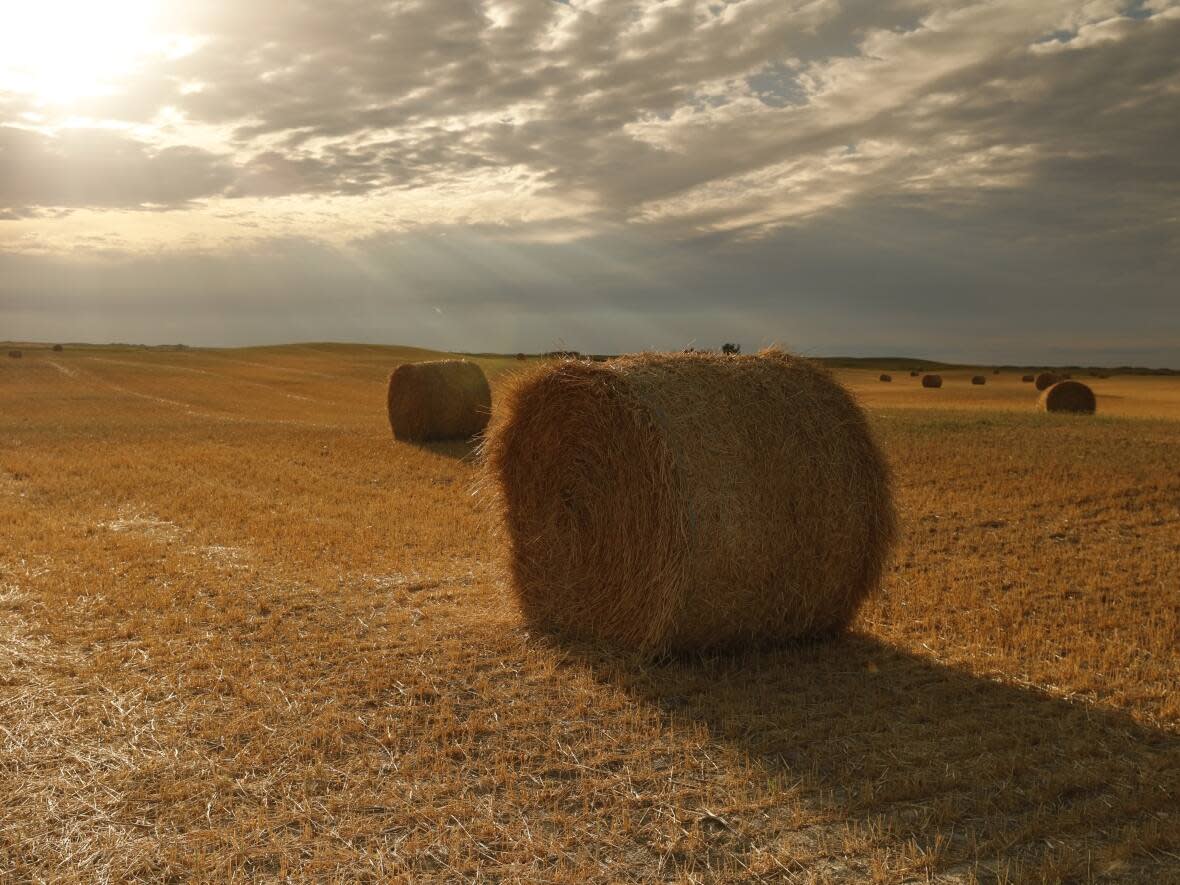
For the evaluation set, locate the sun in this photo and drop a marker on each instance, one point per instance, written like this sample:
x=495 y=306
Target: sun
x=59 y=52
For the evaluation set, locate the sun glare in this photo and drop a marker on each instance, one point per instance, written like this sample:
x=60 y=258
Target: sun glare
x=62 y=51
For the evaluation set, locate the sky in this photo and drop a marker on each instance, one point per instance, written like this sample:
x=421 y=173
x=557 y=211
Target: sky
x=973 y=181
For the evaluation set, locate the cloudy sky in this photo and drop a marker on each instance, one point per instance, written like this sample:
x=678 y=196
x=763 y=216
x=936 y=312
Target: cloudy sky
x=993 y=181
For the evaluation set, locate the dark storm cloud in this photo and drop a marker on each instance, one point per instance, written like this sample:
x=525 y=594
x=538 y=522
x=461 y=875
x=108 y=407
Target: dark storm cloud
x=883 y=279
x=883 y=173
x=630 y=104
x=100 y=168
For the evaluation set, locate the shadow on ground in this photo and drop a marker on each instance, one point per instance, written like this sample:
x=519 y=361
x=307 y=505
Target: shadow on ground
x=983 y=775
x=459 y=449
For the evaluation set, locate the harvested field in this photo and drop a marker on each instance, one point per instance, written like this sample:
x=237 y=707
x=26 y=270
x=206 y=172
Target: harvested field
x=246 y=635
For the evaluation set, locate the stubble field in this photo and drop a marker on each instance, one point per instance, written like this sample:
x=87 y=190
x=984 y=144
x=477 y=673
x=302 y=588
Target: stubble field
x=246 y=635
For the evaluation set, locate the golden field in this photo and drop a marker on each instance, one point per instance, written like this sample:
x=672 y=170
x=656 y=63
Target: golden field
x=244 y=635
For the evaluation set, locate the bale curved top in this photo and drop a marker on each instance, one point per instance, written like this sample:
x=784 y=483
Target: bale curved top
x=932 y=381
x=436 y=400
x=679 y=501
x=1045 y=379
x=979 y=379
x=1068 y=396
x=885 y=377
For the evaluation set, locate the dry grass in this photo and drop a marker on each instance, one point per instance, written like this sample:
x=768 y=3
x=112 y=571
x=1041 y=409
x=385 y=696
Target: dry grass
x=243 y=634
x=644 y=500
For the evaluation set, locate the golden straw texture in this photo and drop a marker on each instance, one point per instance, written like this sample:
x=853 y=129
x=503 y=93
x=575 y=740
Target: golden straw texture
x=436 y=400
x=683 y=501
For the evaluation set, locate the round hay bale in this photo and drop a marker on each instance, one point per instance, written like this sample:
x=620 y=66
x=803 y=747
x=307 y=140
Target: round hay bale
x=671 y=502
x=932 y=381
x=995 y=371
x=441 y=399
x=1068 y=396
x=1027 y=379
x=885 y=377
x=15 y=354
x=1045 y=379
x=57 y=348
x=521 y=356
x=914 y=373
x=978 y=379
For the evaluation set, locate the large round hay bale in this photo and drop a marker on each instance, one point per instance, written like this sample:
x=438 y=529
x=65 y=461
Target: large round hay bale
x=978 y=379
x=1045 y=379
x=441 y=399
x=885 y=377
x=681 y=501
x=1068 y=396
x=1027 y=379
x=932 y=381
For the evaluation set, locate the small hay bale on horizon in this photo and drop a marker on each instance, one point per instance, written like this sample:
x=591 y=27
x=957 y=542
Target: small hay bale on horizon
x=914 y=373
x=438 y=400
x=932 y=381
x=995 y=371
x=1068 y=396
x=57 y=348
x=1045 y=380
x=1027 y=379
x=15 y=354
x=885 y=377
x=978 y=379
x=672 y=502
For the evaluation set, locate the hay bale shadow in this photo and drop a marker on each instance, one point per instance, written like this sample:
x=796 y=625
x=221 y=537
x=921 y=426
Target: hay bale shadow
x=458 y=449
x=983 y=771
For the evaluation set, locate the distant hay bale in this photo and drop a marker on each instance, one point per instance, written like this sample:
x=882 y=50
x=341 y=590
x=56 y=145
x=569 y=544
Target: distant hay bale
x=1027 y=379
x=914 y=373
x=995 y=371
x=1045 y=379
x=1068 y=396
x=978 y=379
x=671 y=502
x=57 y=348
x=885 y=377
x=15 y=354
x=441 y=399
x=520 y=356
x=932 y=381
